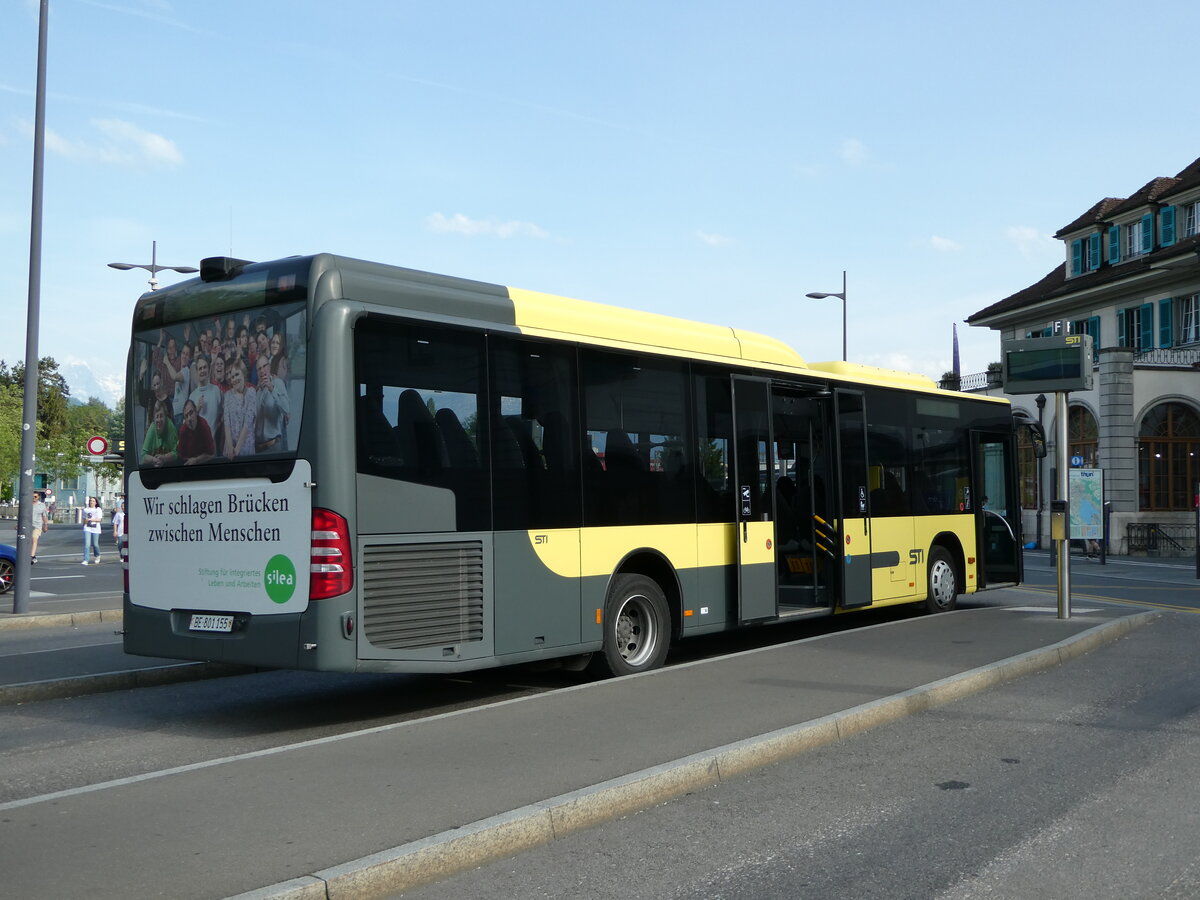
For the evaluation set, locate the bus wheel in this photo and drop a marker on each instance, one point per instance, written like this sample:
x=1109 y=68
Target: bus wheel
x=943 y=582
x=637 y=627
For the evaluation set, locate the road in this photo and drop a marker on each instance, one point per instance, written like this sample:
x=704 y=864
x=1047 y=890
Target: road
x=1073 y=783
x=58 y=583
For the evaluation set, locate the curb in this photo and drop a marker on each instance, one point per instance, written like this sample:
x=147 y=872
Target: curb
x=103 y=682
x=419 y=862
x=15 y=621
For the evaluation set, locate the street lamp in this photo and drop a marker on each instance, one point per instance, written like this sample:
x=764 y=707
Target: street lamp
x=154 y=268
x=817 y=295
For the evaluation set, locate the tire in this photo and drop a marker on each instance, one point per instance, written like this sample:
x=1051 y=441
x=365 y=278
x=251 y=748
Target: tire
x=6 y=576
x=942 y=594
x=637 y=627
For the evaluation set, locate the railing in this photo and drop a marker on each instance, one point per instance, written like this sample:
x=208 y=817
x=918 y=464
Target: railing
x=1168 y=358
x=1159 y=539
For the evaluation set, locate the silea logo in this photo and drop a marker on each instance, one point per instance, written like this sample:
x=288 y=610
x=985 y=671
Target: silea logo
x=279 y=579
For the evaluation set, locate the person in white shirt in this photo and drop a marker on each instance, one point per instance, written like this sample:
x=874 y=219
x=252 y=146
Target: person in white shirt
x=207 y=396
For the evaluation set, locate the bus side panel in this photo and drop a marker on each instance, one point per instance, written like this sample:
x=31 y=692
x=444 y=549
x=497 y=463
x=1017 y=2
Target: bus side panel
x=894 y=575
x=536 y=607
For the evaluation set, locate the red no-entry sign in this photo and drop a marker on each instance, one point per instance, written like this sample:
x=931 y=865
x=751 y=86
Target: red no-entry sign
x=97 y=446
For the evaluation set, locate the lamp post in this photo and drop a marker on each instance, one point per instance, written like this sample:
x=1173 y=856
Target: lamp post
x=154 y=268
x=818 y=295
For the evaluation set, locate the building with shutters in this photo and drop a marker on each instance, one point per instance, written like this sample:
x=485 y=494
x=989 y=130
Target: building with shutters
x=1131 y=279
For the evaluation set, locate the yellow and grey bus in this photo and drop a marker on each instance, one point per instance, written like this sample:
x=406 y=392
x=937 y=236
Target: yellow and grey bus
x=344 y=465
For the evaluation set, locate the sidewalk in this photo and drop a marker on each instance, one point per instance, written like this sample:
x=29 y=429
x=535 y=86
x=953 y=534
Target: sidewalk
x=373 y=812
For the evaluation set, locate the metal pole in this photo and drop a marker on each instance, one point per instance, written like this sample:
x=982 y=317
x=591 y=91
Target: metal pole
x=29 y=411
x=844 y=357
x=1064 y=543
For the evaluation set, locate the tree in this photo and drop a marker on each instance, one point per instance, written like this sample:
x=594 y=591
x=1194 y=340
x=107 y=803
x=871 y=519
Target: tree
x=53 y=394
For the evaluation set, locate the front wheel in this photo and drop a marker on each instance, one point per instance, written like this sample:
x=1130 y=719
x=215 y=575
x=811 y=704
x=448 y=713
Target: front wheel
x=637 y=627
x=942 y=595
x=6 y=576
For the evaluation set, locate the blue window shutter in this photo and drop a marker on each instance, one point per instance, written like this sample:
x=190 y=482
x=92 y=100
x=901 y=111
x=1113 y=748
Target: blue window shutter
x=1146 y=341
x=1093 y=328
x=1164 y=322
x=1114 y=244
x=1076 y=257
x=1167 y=220
x=1121 y=328
x=1094 y=251
x=1147 y=233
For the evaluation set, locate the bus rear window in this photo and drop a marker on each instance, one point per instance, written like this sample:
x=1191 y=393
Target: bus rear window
x=219 y=388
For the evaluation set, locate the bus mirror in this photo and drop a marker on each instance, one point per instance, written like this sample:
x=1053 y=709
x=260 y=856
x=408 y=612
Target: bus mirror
x=1037 y=436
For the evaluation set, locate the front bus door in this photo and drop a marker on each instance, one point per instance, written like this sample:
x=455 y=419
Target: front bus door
x=753 y=464
x=998 y=512
x=852 y=497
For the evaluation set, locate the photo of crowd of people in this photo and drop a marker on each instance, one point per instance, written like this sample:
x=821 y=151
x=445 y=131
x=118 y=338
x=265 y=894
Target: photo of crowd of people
x=219 y=388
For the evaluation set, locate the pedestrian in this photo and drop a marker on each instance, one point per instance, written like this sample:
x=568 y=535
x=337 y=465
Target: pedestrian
x=92 y=517
x=118 y=526
x=39 y=523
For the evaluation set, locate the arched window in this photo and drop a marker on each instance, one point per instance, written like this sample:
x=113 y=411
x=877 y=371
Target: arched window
x=1083 y=437
x=1168 y=457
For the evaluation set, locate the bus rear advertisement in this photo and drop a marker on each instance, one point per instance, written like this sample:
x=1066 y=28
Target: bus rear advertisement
x=349 y=466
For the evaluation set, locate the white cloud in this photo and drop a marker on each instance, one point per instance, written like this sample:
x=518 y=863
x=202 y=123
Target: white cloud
x=460 y=224
x=854 y=152
x=1031 y=242
x=119 y=143
x=944 y=245
x=714 y=240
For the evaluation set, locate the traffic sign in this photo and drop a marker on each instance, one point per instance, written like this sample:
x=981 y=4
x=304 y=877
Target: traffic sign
x=97 y=446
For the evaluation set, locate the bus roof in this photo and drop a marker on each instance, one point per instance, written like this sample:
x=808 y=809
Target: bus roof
x=539 y=314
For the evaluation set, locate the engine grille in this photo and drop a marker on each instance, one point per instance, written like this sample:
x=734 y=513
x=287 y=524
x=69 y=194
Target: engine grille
x=423 y=595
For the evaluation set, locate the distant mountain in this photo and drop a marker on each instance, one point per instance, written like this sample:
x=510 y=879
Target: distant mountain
x=85 y=383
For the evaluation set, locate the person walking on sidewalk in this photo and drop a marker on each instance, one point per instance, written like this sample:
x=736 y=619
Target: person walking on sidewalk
x=40 y=523
x=92 y=517
x=118 y=526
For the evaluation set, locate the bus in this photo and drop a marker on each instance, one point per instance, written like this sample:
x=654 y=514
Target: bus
x=342 y=465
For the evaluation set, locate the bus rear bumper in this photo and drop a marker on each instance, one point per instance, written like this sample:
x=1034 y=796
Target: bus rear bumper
x=267 y=641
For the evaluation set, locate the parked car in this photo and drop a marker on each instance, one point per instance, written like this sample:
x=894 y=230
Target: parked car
x=8 y=565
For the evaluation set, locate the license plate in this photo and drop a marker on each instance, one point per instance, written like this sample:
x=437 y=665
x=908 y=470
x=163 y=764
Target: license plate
x=211 y=623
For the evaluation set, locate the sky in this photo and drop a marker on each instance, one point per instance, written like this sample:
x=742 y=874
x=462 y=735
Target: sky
x=710 y=160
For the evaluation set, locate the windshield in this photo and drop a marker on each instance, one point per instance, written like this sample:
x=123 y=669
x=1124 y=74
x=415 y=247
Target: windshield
x=219 y=388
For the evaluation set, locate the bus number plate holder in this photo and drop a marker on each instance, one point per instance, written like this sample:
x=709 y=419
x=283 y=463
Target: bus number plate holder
x=211 y=623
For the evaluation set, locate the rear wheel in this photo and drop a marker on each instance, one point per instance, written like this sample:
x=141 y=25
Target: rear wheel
x=942 y=595
x=637 y=627
x=6 y=576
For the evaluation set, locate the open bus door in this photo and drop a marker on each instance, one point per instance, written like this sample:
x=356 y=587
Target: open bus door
x=753 y=463
x=806 y=552
x=998 y=511
x=852 y=497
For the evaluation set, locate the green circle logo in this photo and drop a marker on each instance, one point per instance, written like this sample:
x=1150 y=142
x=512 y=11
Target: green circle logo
x=280 y=579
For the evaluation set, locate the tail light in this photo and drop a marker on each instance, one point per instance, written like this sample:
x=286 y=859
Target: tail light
x=332 y=572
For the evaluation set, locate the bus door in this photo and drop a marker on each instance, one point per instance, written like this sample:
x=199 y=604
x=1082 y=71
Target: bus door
x=853 y=526
x=753 y=463
x=997 y=510
x=805 y=556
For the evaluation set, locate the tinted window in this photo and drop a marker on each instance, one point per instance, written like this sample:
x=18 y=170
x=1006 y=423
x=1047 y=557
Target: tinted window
x=535 y=435
x=637 y=459
x=418 y=416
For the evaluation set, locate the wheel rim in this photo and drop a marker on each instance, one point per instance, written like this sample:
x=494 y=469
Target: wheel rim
x=941 y=583
x=636 y=630
x=6 y=575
